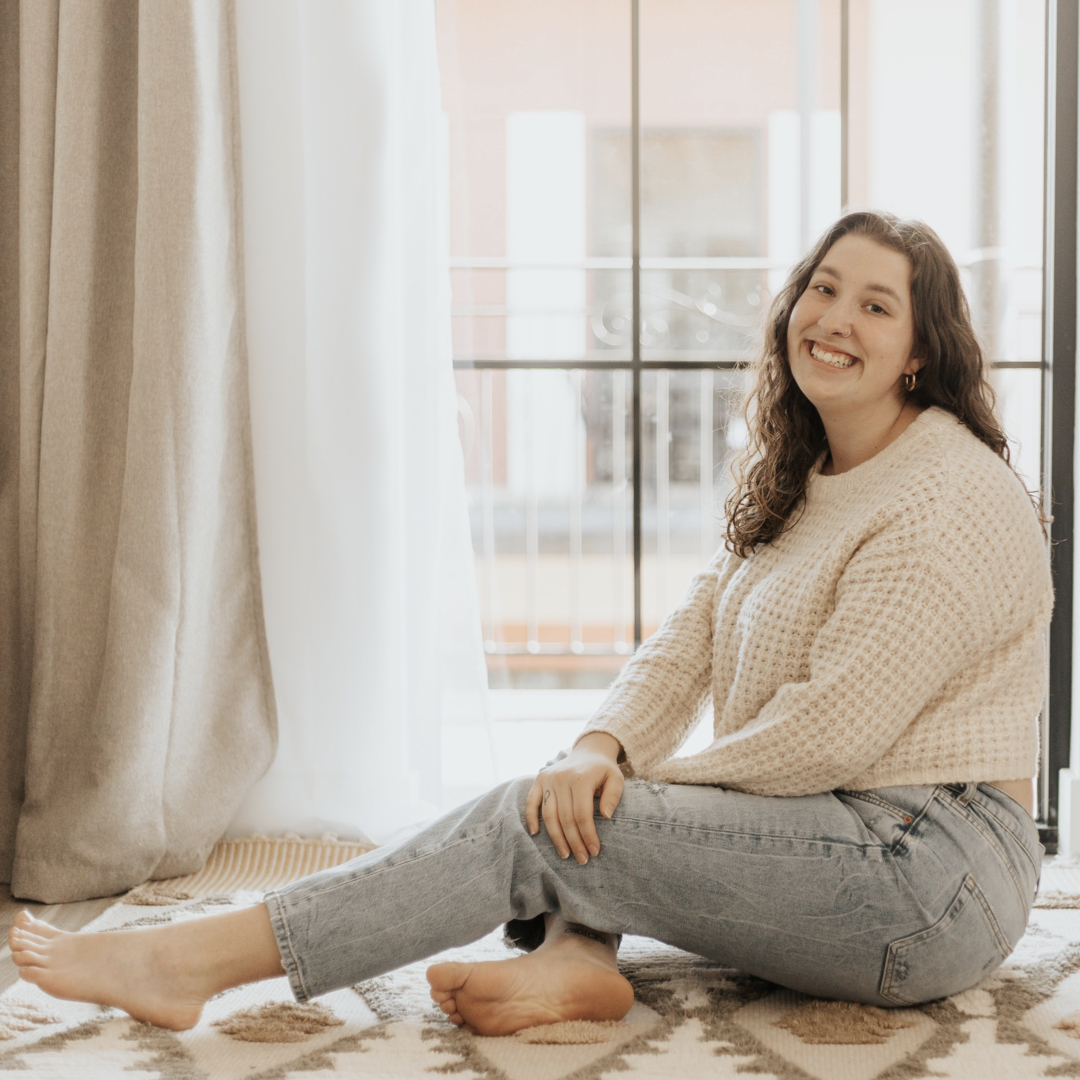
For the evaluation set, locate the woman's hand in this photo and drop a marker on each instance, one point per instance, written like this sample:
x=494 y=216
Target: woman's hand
x=564 y=792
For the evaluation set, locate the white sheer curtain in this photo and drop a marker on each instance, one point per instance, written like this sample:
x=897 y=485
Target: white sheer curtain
x=371 y=617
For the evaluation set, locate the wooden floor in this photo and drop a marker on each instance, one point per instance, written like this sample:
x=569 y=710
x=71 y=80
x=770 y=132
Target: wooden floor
x=63 y=916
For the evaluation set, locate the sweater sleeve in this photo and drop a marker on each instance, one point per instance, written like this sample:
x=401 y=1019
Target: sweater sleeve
x=904 y=622
x=654 y=703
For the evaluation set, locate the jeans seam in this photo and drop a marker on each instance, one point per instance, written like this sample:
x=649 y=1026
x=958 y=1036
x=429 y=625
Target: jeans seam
x=732 y=832
x=910 y=821
x=295 y=975
x=991 y=840
x=376 y=872
x=995 y=927
x=1008 y=828
x=875 y=800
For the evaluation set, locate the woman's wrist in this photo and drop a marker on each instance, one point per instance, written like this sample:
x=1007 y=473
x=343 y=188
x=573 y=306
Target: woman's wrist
x=600 y=742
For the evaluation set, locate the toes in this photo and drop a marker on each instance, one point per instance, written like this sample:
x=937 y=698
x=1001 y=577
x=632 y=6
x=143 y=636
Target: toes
x=26 y=923
x=456 y=1019
x=24 y=920
x=449 y=1007
x=448 y=976
x=440 y=995
x=18 y=938
x=25 y=959
x=32 y=974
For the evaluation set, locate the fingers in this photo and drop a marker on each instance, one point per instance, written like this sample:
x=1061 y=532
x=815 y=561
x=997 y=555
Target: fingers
x=532 y=806
x=572 y=814
x=586 y=826
x=564 y=797
x=568 y=808
x=549 y=807
x=611 y=794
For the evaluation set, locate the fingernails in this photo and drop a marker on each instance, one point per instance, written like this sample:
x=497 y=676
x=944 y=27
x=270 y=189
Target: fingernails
x=582 y=859
x=533 y=831
x=594 y=849
x=564 y=854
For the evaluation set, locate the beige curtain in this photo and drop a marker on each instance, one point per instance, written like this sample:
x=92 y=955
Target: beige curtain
x=135 y=690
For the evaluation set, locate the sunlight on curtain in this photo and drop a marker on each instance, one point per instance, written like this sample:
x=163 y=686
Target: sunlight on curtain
x=370 y=597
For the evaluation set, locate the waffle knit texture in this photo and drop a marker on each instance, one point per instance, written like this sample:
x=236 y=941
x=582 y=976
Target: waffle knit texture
x=893 y=635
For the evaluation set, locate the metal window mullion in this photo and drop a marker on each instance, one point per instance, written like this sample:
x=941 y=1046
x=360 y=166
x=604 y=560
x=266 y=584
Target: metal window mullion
x=845 y=89
x=652 y=364
x=635 y=292
x=807 y=35
x=618 y=500
x=663 y=489
x=487 y=480
x=1059 y=378
x=575 y=515
x=705 y=464
x=532 y=531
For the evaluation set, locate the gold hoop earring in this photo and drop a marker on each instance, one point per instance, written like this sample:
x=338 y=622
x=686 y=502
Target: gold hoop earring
x=909 y=381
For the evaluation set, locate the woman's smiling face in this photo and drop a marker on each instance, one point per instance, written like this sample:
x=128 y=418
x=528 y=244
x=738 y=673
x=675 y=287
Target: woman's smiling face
x=850 y=334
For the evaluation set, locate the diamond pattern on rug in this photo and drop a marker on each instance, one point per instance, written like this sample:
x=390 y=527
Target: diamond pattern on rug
x=774 y=1023
x=278 y=1022
x=571 y=1032
x=841 y=1022
x=692 y=1019
x=16 y=1019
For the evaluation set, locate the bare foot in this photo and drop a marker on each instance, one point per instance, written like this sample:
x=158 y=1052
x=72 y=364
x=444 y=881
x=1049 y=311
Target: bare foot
x=163 y=975
x=569 y=977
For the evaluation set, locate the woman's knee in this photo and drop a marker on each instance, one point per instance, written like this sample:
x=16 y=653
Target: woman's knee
x=506 y=801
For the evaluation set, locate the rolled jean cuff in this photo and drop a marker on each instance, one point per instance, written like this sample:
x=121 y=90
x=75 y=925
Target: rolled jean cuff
x=285 y=947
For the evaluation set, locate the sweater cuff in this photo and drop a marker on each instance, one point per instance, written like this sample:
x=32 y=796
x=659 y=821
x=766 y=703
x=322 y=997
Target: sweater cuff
x=633 y=753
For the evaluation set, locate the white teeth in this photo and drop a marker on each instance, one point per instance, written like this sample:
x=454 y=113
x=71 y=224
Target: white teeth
x=839 y=360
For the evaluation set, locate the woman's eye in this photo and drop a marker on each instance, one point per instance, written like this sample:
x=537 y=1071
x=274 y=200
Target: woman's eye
x=825 y=289
x=877 y=309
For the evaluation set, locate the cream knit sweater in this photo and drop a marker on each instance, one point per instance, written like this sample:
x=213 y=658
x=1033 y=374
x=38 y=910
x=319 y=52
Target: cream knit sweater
x=894 y=635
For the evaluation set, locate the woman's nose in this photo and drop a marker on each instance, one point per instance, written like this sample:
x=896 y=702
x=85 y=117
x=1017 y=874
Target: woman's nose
x=837 y=320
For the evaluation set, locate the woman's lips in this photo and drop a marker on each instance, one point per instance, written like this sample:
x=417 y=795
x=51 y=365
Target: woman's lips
x=827 y=356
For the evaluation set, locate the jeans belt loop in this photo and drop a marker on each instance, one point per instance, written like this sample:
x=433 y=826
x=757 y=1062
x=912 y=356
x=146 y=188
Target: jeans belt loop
x=968 y=793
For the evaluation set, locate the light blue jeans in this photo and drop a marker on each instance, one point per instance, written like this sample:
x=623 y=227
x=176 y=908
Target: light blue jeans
x=887 y=897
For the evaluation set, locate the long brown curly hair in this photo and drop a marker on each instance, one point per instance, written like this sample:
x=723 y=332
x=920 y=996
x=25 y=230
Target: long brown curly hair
x=786 y=435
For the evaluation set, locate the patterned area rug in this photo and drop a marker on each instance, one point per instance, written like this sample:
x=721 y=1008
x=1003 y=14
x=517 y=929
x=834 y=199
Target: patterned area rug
x=691 y=1019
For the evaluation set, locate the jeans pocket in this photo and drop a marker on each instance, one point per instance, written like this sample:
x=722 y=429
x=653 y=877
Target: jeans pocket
x=887 y=821
x=961 y=948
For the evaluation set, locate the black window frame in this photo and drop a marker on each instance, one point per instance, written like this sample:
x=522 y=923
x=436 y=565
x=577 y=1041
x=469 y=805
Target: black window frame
x=1057 y=363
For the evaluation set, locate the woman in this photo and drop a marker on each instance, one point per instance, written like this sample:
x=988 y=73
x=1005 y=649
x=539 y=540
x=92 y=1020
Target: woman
x=871 y=641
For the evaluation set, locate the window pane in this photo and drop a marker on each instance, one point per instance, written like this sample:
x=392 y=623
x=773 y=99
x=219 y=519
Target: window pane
x=538 y=104
x=741 y=153
x=691 y=425
x=530 y=92
x=727 y=89
x=947 y=126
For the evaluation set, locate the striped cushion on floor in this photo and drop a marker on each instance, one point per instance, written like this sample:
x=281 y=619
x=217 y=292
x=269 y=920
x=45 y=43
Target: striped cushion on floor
x=251 y=864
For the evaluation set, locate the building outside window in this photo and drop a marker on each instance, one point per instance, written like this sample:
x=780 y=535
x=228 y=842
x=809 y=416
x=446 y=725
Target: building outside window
x=757 y=123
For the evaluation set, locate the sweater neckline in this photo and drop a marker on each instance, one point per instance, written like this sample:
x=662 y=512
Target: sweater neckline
x=823 y=487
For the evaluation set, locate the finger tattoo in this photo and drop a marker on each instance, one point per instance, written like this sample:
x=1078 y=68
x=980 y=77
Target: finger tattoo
x=547 y=795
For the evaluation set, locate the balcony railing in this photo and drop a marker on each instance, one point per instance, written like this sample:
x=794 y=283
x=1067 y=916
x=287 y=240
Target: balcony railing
x=586 y=562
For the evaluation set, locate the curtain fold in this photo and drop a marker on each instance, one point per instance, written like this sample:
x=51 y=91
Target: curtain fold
x=137 y=705
x=370 y=597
